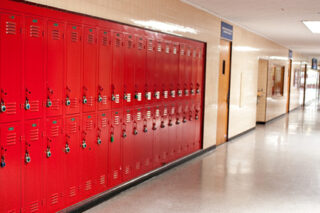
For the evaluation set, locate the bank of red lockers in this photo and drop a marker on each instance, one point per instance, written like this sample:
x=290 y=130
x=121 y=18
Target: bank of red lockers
x=88 y=104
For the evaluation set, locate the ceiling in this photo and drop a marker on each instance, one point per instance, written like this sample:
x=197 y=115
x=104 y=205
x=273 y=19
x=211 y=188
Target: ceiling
x=277 y=20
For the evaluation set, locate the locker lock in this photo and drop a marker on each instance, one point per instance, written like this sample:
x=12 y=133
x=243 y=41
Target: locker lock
x=84 y=144
x=48 y=153
x=162 y=124
x=99 y=140
x=184 y=120
x=198 y=91
x=186 y=92
x=179 y=92
x=170 y=123
x=124 y=134
x=3 y=107
x=68 y=102
x=67 y=148
x=172 y=93
x=84 y=100
x=99 y=98
x=125 y=96
x=154 y=127
x=145 y=129
x=136 y=96
x=148 y=95
x=27 y=105
x=111 y=138
x=157 y=95
x=177 y=122
x=135 y=131
x=27 y=158
x=113 y=98
x=197 y=117
x=49 y=103
x=192 y=91
x=3 y=163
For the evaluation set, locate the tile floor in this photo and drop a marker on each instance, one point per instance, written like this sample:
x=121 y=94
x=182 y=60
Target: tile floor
x=275 y=168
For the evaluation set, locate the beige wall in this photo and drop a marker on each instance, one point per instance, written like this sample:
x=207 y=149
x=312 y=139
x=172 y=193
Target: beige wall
x=247 y=49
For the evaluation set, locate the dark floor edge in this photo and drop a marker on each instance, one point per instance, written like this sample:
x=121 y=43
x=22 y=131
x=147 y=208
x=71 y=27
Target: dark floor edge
x=242 y=133
x=97 y=199
x=272 y=119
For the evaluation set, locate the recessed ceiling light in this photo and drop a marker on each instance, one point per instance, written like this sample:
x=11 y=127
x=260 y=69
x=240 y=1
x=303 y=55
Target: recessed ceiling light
x=313 y=26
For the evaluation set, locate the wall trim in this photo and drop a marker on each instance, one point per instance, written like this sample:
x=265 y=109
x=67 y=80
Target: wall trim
x=241 y=134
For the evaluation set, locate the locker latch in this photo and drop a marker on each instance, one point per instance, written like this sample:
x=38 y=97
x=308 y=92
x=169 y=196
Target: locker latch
x=48 y=153
x=111 y=138
x=179 y=92
x=170 y=123
x=113 y=98
x=184 y=120
x=27 y=158
x=165 y=94
x=157 y=95
x=84 y=100
x=177 y=121
x=3 y=107
x=148 y=96
x=173 y=93
x=124 y=134
x=99 y=98
x=3 y=163
x=135 y=131
x=162 y=124
x=192 y=91
x=125 y=96
x=198 y=91
x=154 y=126
x=49 y=103
x=197 y=117
x=186 y=92
x=68 y=102
x=145 y=129
x=67 y=148
x=84 y=144
x=27 y=105
x=99 y=140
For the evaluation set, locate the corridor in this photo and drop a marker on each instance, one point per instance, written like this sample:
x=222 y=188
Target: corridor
x=274 y=168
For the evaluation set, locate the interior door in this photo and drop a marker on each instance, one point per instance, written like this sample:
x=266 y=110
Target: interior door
x=289 y=85
x=223 y=97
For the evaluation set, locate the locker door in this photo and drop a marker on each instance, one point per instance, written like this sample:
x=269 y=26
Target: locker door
x=129 y=67
x=87 y=154
x=198 y=127
x=10 y=168
x=174 y=71
x=200 y=74
x=188 y=72
x=172 y=132
x=101 y=154
x=156 y=145
x=71 y=160
x=179 y=122
x=166 y=76
x=150 y=69
x=117 y=70
x=115 y=147
x=187 y=127
x=55 y=68
x=182 y=71
x=128 y=133
x=139 y=141
x=89 y=98
x=163 y=132
x=53 y=158
x=191 y=128
x=32 y=163
x=194 y=72
x=158 y=81
x=34 y=67
x=104 y=73
x=141 y=95
x=10 y=67
x=147 y=139
x=73 y=69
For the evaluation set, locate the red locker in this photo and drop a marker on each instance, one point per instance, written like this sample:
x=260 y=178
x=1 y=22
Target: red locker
x=190 y=137
x=194 y=72
x=182 y=71
x=55 y=68
x=138 y=141
x=179 y=125
x=198 y=126
x=141 y=95
x=89 y=99
x=172 y=132
x=101 y=154
x=71 y=163
x=53 y=159
x=163 y=132
x=87 y=154
x=159 y=64
x=115 y=149
x=165 y=74
x=10 y=67
x=150 y=69
x=104 y=73
x=117 y=70
x=173 y=74
x=10 y=167
x=147 y=139
x=188 y=72
x=73 y=68
x=156 y=145
x=128 y=133
x=34 y=67
x=187 y=128
x=200 y=74
x=32 y=167
x=129 y=70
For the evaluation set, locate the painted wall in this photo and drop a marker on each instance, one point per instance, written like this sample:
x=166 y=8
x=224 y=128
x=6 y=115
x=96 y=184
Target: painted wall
x=247 y=49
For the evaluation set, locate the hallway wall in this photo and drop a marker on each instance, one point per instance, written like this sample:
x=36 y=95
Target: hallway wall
x=247 y=49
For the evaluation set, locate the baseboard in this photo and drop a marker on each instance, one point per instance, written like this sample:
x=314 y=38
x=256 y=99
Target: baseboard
x=99 y=198
x=240 y=134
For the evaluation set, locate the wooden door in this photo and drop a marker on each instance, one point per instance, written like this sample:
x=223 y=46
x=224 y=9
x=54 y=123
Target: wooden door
x=289 y=85
x=223 y=97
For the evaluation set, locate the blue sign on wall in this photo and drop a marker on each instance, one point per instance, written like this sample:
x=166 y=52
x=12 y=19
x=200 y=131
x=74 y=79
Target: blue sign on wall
x=314 y=64
x=290 y=54
x=226 y=31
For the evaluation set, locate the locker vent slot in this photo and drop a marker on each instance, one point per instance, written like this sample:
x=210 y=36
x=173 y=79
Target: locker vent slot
x=128 y=118
x=56 y=104
x=129 y=44
x=127 y=170
x=165 y=94
x=34 y=31
x=54 y=199
x=150 y=46
x=74 y=36
x=140 y=45
x=90 y=39
x=129 y=97
x=199 y=54
x=34 y=106
x=104 y=99
x=11 y=108
x=89 y=125
x=88 y=185
x=118 y=42
x=11 y=28
x=165 y=111
x=11 y=138
x=104 y=41
x=167 y=49
x=175 y=50
x=138 y=116
x=194 y=54
x=181 y=51
x=159 y=48
x=188 y=52
x=172 y=111
x=116 y=120
x=72 y=127
x=55 y=131
x=90 y=101
x=115 y=174
x=72 y=191
x=157 y=112
x=148 y=114
x=34 y=206
x=74 y=103
x=102 y=180
x=34 y=134
x=139 y=96
x=55 y=34
x=117 y=98
x=104 y=122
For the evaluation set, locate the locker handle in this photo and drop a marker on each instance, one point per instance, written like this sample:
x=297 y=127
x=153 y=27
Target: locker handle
x=68 y=102
x=49 y=103
x=99 y=98
x=67 y=148
x=3 y=107
x=135 y=131
x=154 y=127
x=27 y=105
x=145 y=129
x=3 y=163
x=184 y=120
x=111 y=138
x=99 y=140
x=27 y=158
x=162 y=124
x=48 y=153
x=84 y=100
x=84 y=144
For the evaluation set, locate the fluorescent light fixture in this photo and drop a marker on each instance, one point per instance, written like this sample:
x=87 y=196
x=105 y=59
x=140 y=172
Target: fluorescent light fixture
x=313 y=26
x=165 y=27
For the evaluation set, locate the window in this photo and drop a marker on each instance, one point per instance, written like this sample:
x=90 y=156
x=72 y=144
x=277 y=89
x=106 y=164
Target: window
x=278 y=80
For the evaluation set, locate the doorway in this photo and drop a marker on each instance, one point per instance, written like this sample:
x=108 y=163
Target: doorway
x=289 y=85
x=224 y=92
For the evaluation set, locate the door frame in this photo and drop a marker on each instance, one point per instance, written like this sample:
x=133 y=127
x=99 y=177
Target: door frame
x=289 y=85
x=304 y=85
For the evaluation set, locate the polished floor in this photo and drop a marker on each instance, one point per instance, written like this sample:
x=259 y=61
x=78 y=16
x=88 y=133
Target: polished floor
x=275 y=168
